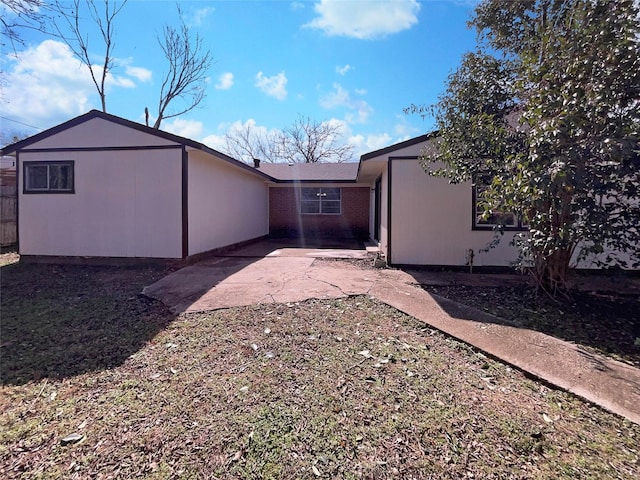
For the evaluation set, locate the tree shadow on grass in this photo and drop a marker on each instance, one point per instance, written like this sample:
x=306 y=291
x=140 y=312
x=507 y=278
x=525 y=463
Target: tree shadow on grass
x=64 y=320
x=609 y=324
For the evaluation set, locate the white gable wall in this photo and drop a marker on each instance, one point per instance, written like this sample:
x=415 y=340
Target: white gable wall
x=226 y=204
x=98 y=132
x=127 y=203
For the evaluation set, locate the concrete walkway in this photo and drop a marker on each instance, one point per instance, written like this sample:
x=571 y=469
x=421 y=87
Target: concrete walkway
x=293 y=275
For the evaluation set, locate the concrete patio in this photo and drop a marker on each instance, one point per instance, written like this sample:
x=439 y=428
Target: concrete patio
x=266 y=273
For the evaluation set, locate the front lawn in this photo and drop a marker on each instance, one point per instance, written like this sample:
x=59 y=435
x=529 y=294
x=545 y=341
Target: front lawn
x=320 y=389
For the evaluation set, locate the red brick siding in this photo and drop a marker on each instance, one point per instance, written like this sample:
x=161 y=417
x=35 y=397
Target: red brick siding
x=353 y=223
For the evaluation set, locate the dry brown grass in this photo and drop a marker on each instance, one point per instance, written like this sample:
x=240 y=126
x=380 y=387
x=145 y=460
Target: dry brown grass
x=321 y=389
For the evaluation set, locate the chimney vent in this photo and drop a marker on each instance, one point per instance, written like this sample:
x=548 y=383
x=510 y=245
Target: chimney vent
x=256 y=163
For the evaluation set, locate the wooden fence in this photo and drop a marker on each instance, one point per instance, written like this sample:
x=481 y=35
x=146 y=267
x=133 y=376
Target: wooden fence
x=8 y=209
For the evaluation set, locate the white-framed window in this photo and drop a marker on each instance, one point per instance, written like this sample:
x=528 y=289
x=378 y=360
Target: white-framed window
x=504 y=219
x=321 y=201
x=49 y=177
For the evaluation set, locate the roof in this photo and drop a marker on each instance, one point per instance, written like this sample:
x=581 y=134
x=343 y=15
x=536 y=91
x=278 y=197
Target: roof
x=23 y=144
x=398 y=146
x=311 y=172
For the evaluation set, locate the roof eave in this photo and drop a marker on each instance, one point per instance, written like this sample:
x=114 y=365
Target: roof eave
x=398 y=146
x=22 y=144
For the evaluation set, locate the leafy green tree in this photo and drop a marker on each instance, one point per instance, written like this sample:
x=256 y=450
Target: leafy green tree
x=547 y=114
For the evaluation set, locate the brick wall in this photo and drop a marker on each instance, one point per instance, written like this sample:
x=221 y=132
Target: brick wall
x=353 y=223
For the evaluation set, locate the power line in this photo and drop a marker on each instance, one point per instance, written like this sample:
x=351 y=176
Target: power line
x=21 y=123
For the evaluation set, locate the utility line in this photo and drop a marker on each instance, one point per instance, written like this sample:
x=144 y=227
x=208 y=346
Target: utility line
x=21 y=123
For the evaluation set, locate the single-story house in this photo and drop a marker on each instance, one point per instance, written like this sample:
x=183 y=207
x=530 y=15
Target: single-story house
x=100 y=186
x=104 y=187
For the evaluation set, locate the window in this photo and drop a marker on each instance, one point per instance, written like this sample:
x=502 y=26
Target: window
x=508 y=220
x=48 y=177
x=321 y=201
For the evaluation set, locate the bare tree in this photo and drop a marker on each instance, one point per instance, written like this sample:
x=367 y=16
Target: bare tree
x=18 y=15
x=309 y=141
x=187 y=74
x=79 y=41
x=245 y=142
x=306 y=141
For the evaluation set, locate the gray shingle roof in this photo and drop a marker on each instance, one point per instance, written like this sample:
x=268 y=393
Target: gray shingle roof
x=310 y=172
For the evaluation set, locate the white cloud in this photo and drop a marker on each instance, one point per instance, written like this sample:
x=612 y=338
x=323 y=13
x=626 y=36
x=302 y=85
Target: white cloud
x=358 y=111
x=404 y=130
x=225 y=81
x=217 y=142
x=295 y=6
x=199 y=16
x=364 y=19
x=275 y=86
x=365 y=144
x=142 y=74
x=339 y=97
x=344 y=69
x=191 y=129
x=46 y=84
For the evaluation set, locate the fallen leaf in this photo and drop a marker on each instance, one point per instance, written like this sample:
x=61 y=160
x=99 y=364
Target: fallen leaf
x=365 y=353
x=71 y=438
x=546 y=418
x=315 y=471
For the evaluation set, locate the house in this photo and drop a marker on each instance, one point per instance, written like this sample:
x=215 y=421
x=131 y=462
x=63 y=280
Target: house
x=100 y=186
x=317 y=200
x=423 y=220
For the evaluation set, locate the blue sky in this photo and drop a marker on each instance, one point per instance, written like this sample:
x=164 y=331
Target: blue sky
x=356 y=63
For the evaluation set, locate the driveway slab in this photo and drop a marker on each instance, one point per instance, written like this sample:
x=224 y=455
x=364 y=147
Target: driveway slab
x=295 y=276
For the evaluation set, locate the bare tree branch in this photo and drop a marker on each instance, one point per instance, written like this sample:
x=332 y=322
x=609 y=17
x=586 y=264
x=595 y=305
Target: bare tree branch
x=187 y=74
x=306 y=141
x=245 y=142
x=18 y=15
x=79 y=40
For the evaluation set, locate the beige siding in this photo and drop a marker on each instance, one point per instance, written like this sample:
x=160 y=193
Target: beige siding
x=431 y=222
x=126 y=204
x=226 y=204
